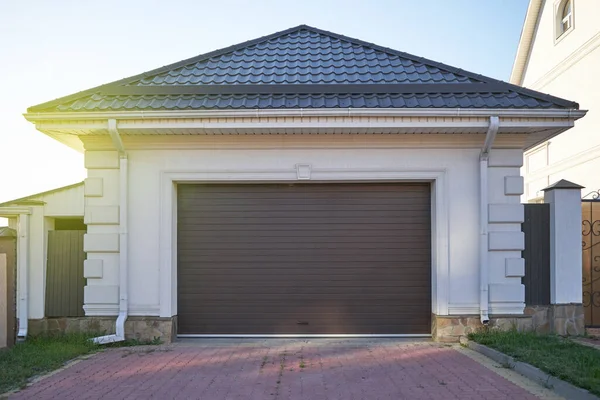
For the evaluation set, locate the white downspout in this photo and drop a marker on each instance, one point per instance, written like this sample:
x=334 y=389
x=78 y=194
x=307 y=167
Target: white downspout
x=23 y=274
x=483 y=220
x=123 y=239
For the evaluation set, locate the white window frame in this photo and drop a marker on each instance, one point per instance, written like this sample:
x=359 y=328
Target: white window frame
x=559 y=7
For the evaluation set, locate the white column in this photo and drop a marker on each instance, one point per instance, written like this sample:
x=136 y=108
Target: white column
x=564 y=198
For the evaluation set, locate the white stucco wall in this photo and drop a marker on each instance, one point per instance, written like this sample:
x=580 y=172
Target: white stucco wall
x=567 y=68
x=151 y=196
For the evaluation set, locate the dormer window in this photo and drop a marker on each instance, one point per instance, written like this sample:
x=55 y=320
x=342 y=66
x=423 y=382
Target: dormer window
x=564 y=18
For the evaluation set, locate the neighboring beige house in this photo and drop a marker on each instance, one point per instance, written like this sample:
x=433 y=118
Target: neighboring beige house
x=559 y=53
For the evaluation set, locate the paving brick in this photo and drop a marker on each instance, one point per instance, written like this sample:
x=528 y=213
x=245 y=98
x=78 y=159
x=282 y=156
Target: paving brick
x=270 y=369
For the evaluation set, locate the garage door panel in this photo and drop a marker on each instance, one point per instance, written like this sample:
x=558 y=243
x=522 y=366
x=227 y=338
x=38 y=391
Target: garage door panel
x=330 y=191
x=237 y=210
x=304 y=258
x=323 y=201
x=213 y=307
x=347 y=258
x=282 y=327
x=216 y=276
x=320 y=228
x=313 y=253
x=342 y=234
x=215 y=241
x=350 y=267
x=234 y=297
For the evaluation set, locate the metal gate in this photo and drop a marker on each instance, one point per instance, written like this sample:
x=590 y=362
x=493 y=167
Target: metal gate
x=590 y=231
x=536 y=228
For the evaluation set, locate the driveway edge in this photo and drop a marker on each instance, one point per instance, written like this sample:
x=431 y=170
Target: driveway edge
x=559 y=386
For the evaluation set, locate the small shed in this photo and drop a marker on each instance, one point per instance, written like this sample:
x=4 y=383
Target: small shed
x=47 y=242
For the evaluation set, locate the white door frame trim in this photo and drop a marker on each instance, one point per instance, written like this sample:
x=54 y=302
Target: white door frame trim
x=168 y=222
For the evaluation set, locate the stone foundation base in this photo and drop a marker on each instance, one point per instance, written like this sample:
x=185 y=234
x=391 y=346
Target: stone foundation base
x=450 y=328
x=593 y=332
x=139 y=328
x=559 y=319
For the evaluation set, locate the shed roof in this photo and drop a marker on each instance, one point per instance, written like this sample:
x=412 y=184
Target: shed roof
x=31 y=198
x=304 y=67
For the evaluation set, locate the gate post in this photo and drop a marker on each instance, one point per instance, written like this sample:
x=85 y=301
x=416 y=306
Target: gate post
x=564 y=198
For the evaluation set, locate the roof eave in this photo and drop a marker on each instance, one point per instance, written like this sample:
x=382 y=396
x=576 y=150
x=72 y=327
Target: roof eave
x=571 y=113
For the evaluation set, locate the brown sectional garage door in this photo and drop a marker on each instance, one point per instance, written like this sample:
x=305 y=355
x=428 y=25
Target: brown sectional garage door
x=304 y=259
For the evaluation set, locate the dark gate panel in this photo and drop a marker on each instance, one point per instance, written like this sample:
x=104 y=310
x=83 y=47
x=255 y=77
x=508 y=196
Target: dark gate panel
x=537 y=254
x=590 y=231
x=64 y=274
x=304 y=259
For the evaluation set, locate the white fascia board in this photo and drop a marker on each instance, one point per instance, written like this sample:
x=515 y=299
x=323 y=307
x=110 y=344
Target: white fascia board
x=327 y=112
x=525 y=41
x=180 y=123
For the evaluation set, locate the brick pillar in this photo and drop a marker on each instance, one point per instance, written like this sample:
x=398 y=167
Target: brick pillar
x=564 y=198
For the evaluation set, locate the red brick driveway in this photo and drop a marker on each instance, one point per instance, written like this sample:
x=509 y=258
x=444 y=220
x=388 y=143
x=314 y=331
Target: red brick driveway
x=278 y=369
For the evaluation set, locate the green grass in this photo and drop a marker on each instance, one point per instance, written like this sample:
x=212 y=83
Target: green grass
x=39 y=355
x=557 y=356
x=42 y=354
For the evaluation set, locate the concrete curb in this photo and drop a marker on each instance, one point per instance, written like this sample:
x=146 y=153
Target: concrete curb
x=561 y=387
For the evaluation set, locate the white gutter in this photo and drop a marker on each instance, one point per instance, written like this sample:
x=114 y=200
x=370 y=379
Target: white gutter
x=329 y=112
x=23 y=274
x=483 y=220
x=123 y=240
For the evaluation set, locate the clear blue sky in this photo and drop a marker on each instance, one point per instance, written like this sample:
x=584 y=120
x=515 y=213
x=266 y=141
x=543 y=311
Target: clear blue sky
x=51 y=48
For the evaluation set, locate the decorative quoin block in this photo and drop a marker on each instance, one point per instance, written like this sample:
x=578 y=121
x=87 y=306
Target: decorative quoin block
x=101 y=294
x=94 y=187
x=507 y=292
x=506 y=241
x=506 y=213
x=101 y=160
x=92 y=269
x=506 y=158
x=101 y=242
x=101 y=215
x=515 y=267
x=514 y=185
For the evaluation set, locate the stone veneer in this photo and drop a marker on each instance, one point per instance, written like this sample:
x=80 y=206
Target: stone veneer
x=449 y=328
x=569 y=319
x=560 y=319
x=140 y=328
